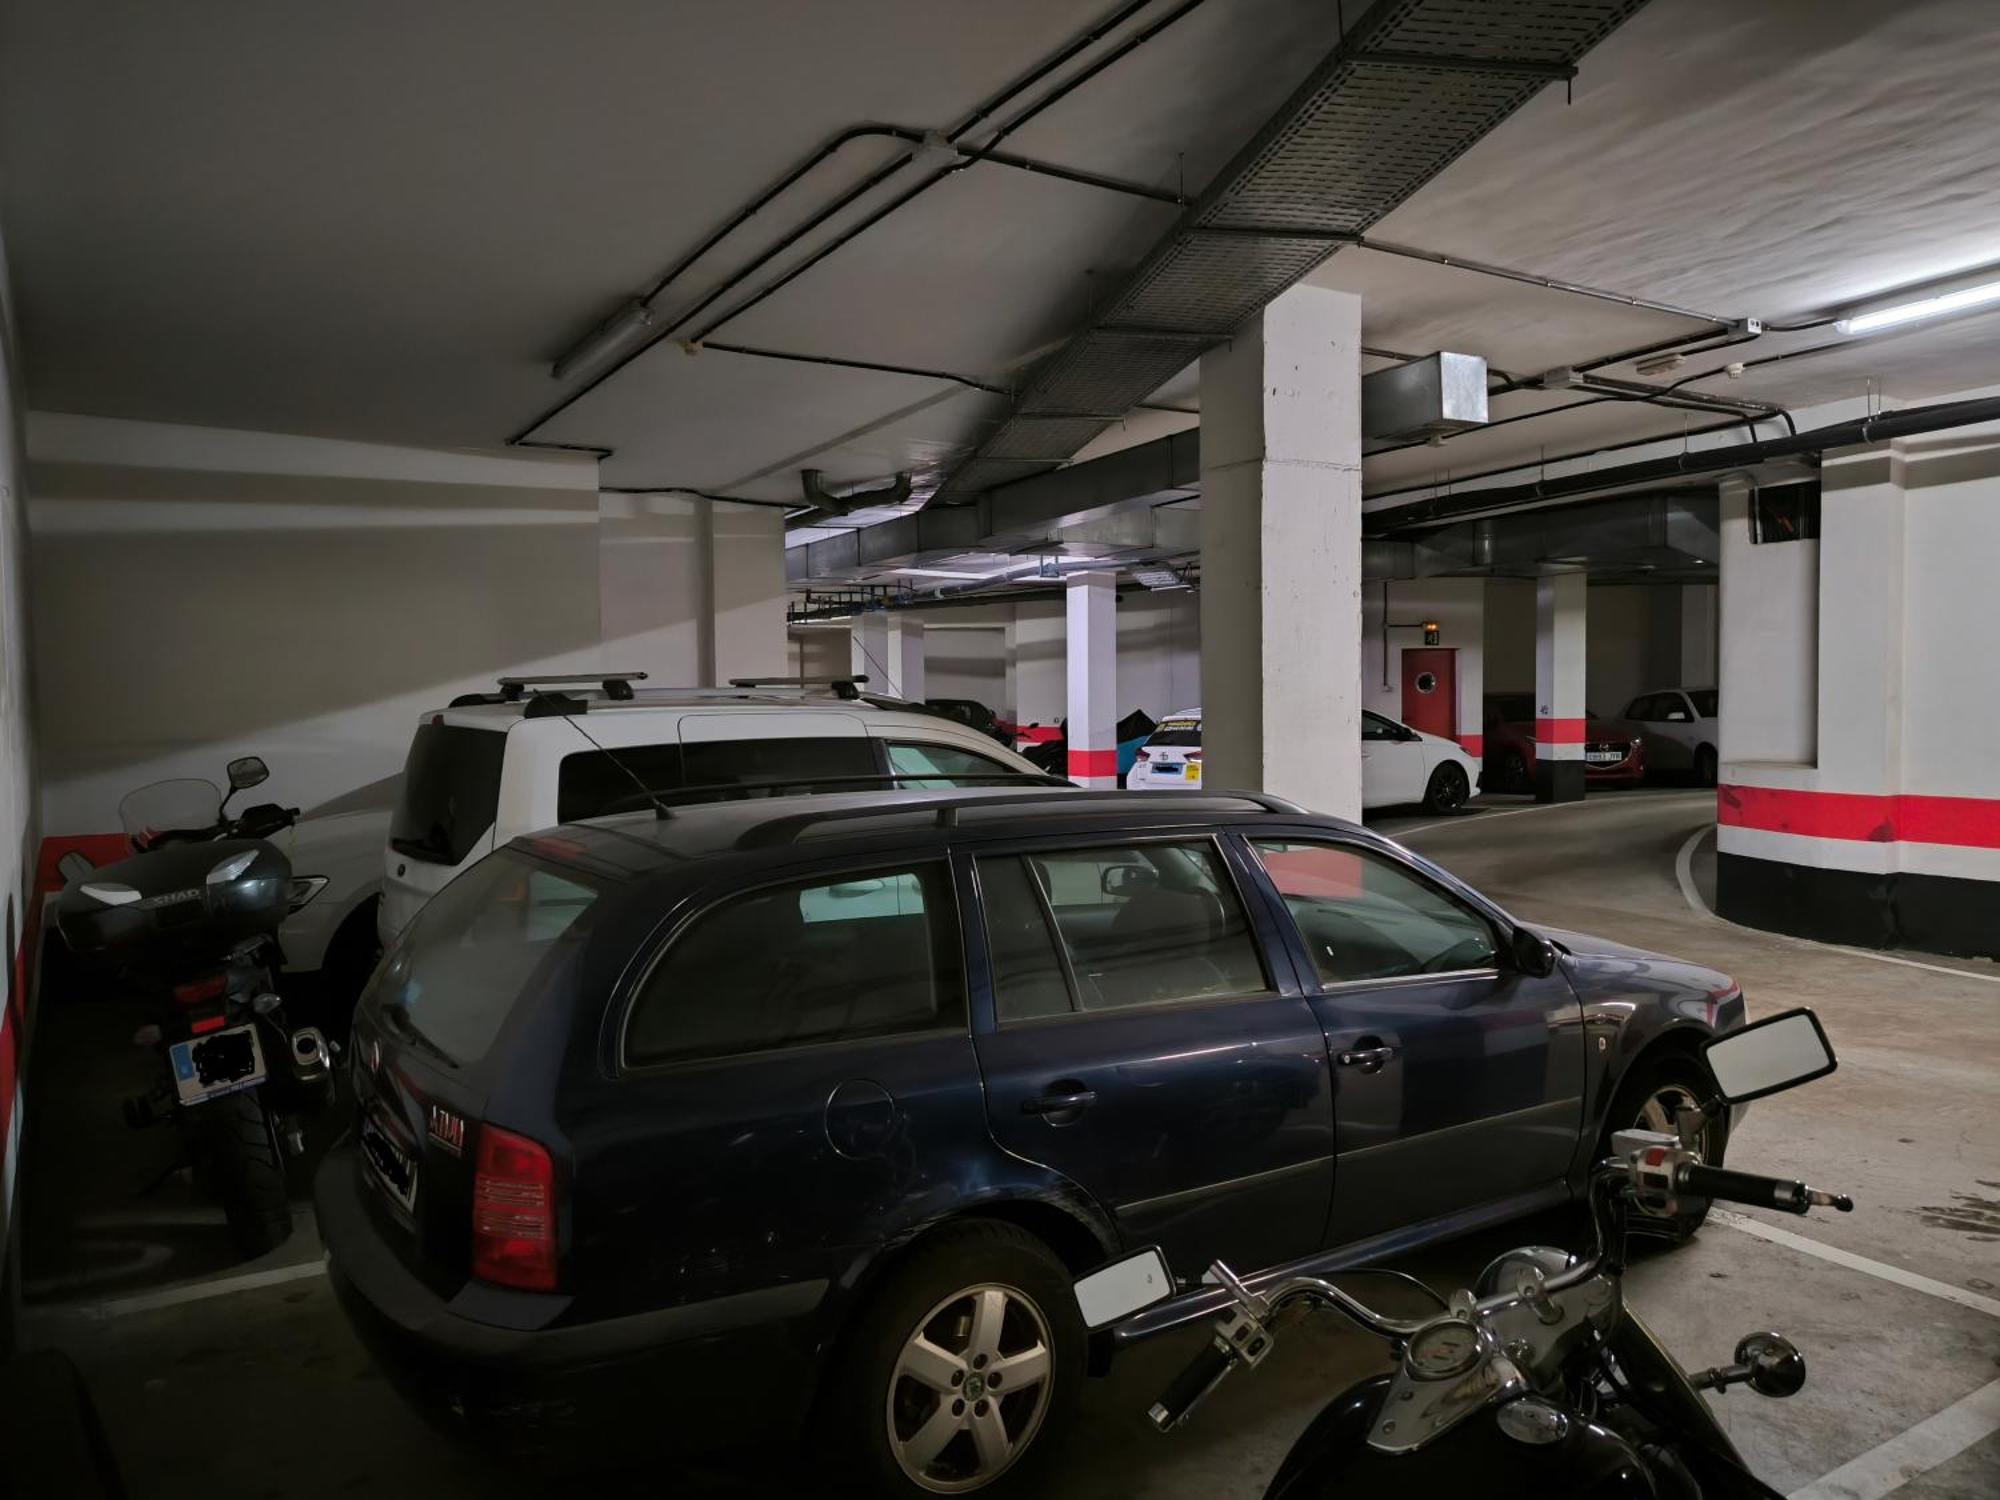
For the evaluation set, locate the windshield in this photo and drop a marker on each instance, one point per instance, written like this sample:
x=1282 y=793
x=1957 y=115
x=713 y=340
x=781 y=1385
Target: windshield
x=474 y=950
x=451 y=790
x=188 y=805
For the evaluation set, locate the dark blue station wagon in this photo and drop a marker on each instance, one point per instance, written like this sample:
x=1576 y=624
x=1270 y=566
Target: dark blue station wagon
x=671 y=1131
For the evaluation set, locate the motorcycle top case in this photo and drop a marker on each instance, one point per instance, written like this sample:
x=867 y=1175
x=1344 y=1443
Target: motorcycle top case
x=178 y=902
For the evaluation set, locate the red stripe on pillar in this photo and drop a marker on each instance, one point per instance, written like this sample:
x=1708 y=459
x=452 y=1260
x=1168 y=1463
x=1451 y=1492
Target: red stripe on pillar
x=1093 y=762
x=1559 y=731
x=1967 y=822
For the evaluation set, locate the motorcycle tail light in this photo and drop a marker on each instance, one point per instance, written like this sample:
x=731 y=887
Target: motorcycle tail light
x=514 y=1212
x=202 y=1025
x=197 y=990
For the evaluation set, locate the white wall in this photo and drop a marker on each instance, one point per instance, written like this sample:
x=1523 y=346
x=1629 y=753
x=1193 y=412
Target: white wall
x=18 y=820
x=204 y=593
x=1458 y=605
x=1619 y=645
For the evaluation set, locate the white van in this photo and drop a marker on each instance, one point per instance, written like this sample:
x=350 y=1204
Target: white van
x=550 y=750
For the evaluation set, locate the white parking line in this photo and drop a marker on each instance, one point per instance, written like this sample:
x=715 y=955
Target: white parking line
x=174 y=1296
x=1878 y=1269
x=1480 y=816
x=1883 y=1470
x=1684 y=875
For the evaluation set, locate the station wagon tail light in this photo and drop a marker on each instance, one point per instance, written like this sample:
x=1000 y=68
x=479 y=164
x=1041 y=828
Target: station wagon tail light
x=514 y=1212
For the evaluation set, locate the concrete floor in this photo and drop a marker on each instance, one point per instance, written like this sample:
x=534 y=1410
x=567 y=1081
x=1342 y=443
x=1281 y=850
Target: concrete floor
x=264 y=1392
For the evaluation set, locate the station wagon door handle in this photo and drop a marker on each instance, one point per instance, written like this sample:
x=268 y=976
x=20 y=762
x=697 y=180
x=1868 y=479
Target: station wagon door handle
x=1059 y=1104
x=1367 y=1059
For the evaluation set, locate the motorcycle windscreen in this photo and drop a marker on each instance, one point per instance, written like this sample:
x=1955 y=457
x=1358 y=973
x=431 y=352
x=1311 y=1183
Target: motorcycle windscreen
x=184 y=805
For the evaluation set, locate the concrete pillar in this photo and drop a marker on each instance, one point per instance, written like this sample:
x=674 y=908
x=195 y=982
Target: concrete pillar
x=888 y=649
x=1092 y=607
x=868 y=640
x=906 y=658
x=1767 y=659
x=1281 y=553
x=1561 y=608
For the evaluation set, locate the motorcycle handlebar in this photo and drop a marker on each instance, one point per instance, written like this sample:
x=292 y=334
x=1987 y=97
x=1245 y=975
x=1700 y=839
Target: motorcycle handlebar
x=1202 y=1375
x=1756 y=1191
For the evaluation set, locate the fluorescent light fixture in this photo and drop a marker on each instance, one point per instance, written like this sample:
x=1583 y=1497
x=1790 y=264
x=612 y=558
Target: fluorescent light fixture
x=934 y=573
x=606 y=339
x=1963 y=300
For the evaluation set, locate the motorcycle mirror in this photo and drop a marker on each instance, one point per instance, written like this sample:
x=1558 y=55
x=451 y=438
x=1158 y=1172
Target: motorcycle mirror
x=1534 y=954
x=74 y=866
x=1121 y=1288
x=247 y=771
x=1776 y=1367
x=1767 y=1056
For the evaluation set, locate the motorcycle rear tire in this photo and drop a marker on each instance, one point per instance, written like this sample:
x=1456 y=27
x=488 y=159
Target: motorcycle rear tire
x=236 y=1152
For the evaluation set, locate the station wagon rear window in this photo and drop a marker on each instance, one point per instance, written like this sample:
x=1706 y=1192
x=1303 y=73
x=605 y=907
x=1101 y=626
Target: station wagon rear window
x=451 y=791
x=475 y=950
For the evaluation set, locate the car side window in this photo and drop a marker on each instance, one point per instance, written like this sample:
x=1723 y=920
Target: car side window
x=1375 y=727
x=1139 y=924
x=939 y=765
x=1640 y=710
x=1674 y=709
x=868 y=953
x=1363 y=915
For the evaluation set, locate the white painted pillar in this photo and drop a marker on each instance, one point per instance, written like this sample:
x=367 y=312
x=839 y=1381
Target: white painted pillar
x=1561 y=608
x=1281 y=553
x=1091 y=601
x=906 y=658
x=1698 y=631
x=868 y=640
x=1767 y=656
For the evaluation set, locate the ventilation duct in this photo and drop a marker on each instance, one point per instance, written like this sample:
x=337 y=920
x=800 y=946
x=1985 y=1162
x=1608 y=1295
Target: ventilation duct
x=1411 y=87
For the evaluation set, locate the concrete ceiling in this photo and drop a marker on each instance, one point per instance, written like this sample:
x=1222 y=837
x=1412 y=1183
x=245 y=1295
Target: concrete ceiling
x=382 y=221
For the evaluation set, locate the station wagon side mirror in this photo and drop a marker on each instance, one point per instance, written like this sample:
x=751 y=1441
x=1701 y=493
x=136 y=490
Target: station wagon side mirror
x=1534 y=954
x=1128 y=880
x=1768 y=1056
x=247 y=771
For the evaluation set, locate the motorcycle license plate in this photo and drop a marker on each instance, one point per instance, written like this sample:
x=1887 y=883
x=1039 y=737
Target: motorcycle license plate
x=393 y=1169
x=223 y=1062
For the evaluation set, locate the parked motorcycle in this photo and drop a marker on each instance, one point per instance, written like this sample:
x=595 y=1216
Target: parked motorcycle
x=191 y=920
x=1539 y=1380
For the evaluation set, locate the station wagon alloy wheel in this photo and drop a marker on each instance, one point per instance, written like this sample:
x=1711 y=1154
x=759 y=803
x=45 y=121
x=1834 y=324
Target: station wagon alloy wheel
x=970 y=1389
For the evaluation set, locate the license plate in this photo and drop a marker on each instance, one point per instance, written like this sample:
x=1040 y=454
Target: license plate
x=1604 y=757
x=224 y=1062
x=393 y=1169
x=1194 y=770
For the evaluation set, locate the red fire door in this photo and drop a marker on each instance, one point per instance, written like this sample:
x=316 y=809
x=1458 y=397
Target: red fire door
x=1430 y=689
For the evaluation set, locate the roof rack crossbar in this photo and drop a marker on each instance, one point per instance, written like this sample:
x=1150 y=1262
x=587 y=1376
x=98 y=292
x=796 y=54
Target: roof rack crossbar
x=847 y=686
x=615 y=684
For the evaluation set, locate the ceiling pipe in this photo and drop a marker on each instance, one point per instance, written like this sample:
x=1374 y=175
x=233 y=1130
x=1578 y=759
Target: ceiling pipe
x=932 y=143
x=1888 y=426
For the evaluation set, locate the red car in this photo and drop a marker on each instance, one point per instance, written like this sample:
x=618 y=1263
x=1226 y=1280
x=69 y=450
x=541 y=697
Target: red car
x=1614 y=752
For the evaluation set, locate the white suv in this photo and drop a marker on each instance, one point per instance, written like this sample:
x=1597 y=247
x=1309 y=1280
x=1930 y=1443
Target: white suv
x=1399 y=764
x=544 y=751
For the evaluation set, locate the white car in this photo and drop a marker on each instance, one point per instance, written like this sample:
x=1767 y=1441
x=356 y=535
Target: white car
x=543 y=751
x=335 y=851
x=1683 y=730
x=1399 y=765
